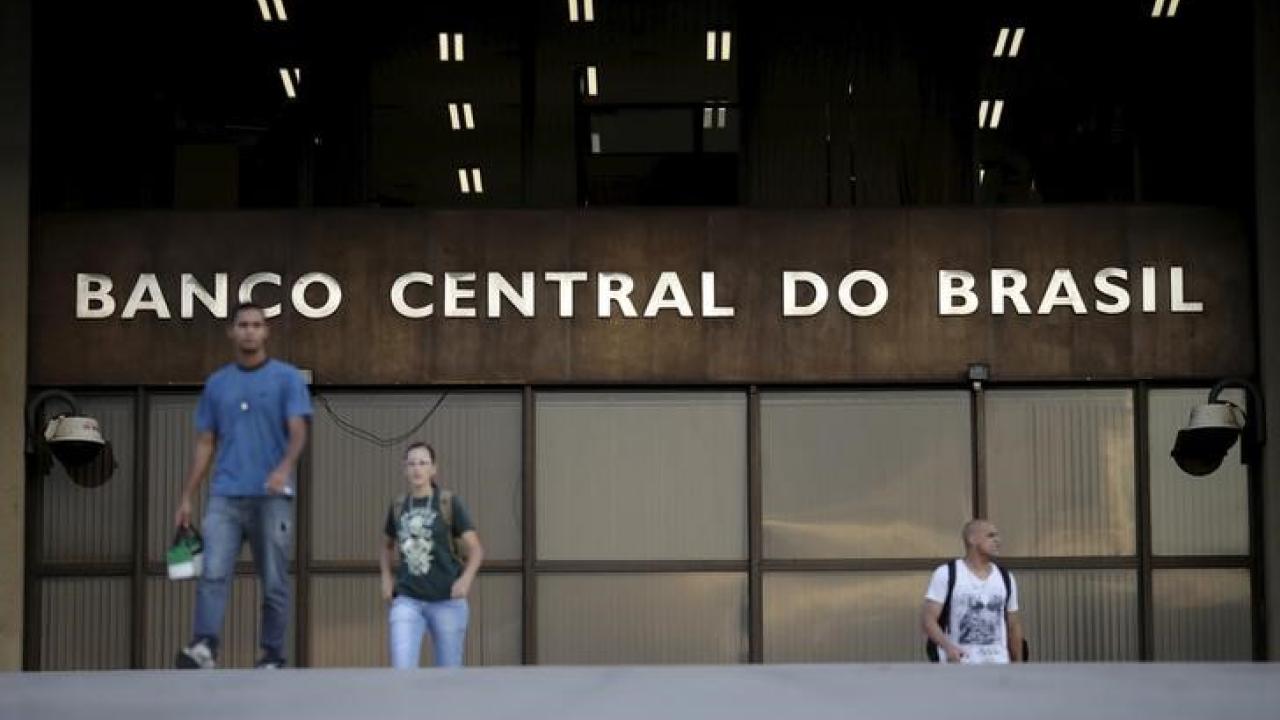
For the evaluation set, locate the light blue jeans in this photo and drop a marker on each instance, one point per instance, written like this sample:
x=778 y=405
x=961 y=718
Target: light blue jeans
x=445 y=619
x=267 y=523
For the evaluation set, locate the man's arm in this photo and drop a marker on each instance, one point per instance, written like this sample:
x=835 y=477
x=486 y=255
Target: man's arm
x=201 y=457
x=1013 y=621
x=278 y=480
x=929 y=624
x=475 y=556
x=386 y=557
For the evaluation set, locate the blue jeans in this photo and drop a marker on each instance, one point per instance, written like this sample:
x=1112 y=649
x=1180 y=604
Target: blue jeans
x=267 y=522
x=447 y=621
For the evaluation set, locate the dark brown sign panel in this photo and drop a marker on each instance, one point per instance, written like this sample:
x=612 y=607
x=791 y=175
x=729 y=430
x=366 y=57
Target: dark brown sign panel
x=650 y=296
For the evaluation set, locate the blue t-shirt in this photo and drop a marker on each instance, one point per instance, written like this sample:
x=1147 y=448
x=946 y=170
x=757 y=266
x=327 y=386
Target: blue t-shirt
x=248 y=412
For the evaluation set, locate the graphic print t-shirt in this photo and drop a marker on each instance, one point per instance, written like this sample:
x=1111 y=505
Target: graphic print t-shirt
x=427 y=567
x=978 y=609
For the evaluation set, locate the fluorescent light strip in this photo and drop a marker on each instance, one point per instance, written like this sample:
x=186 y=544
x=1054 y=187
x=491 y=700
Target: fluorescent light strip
x=707 y=112
x=725 y=38
x=595 y=143
x=1000 y=41
x=287 y=79
x=995 y=114
x=475 y=181
x=444 y=46
x=982 y=113
x=266 y=11
x=453 y=117
x=711 y=45
x=280 y=14
x=1157 y=9
x=467 y=119
x=982 y=175
x=723 y=116
x=463 y=183
x=589 y=10
x=1173 y=7
x=573 y=11
x=592 y=86
x=1017 y=42
x=457 y=47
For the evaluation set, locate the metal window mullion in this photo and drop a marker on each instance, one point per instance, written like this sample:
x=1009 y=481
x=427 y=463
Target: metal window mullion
x=755 y=530
x=528 y=576
x=1142 y=466
x=141 y=510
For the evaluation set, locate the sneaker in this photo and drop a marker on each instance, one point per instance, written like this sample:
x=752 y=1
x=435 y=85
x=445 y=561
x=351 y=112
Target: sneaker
x=196 y=656
x=270 y=663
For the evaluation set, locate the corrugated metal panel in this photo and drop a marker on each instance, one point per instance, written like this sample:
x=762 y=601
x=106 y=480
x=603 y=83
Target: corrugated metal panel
x=1080 y=615
x=1060 y=471
x=843 y=617
x=609 y=619
x=642 y=476
x=865 y=474
x=85 y=624
x=477 y=436
x=1194 y=515
x=1202 y=615
x=349 y=622
x=171 y=609
x=93 y=524
x=171 y=430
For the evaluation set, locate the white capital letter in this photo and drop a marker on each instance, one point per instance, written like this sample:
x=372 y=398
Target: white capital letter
x=333 y=291
x=709 y=307
x=259 y=278
x=401 y=284
x=789 y=280
x=192 y=290
x=1119 y=294
x=668 y=294
x=146 y=295
x=1177 y=293
x=614 y=288
x=1008 y=284
x=565 y=280
x=953 y=284
x=93 y=296
x=845 y=293
x=499 y=288
x=1062 y=291
x=453 y=292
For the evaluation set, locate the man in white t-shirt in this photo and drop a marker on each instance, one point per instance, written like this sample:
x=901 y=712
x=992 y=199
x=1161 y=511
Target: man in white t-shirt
x=983 y=625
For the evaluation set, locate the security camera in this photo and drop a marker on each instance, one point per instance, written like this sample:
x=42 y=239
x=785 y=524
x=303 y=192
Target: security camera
x=75 y=441
x=1210 y=432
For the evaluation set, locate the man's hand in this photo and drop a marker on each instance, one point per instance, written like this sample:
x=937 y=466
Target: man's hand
x=461 y=588
x=955 y=654
x=182 y=516
x=278 y=482
x=388 y=588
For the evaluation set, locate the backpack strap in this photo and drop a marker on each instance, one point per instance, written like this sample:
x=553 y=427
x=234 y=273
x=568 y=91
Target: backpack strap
x=944 y=616
x=446 y=514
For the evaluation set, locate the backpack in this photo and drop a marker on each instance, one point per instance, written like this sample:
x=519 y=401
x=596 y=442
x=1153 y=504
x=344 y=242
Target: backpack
x=446 y=514
x=944 y=617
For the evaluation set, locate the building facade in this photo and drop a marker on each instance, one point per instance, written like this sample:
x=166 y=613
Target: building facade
x=720 y=349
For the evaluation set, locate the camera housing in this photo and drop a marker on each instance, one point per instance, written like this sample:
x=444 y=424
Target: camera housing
x=73 y=440
x=1210 y=433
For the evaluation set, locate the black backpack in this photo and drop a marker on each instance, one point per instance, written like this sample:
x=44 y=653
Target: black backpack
x=944 y=617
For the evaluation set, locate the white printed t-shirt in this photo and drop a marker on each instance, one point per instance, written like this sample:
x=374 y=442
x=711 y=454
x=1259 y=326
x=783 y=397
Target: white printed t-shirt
x=978 y=607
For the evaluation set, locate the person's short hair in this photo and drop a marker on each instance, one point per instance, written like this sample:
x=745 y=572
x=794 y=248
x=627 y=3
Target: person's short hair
x=965 y=531
x=425 y=446
x=241 y=307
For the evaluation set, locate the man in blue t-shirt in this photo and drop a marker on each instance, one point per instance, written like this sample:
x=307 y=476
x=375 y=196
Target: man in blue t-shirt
x=251 y=424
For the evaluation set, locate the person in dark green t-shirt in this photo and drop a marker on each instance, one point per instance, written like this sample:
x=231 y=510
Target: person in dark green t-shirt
x=432 y=579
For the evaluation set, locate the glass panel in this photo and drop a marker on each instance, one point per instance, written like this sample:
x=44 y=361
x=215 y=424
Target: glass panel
x=349 y=622
x=1194 y=515
x=865 y=474
x=476 y=435
x=1202 y=615
x=843 y=616
x=1060 y=471
x=93 y=524
x=631 y=618
x=642 y=476
x=85 y=623
x=171 y=609
x=1079 y=615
